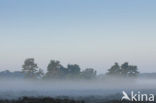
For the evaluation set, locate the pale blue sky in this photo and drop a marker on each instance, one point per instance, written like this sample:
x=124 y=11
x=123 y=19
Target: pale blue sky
x=91 y=33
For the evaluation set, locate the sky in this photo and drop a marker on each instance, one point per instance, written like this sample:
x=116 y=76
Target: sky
x=91 y=33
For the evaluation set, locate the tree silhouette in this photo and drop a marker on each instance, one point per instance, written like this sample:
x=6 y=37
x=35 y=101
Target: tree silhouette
x=88 y=73
x=30 y=68
x=125 y=70
x=129 y=70
x=73 y=71
x=73 y=68
x=54 y=70
x=114 y=70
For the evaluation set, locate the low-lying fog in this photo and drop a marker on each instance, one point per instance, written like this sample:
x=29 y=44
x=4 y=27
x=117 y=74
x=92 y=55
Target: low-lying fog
x=11 y=89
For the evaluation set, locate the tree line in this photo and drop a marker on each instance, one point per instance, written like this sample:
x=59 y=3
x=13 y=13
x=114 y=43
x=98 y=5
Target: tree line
x=55 y=70
x=125 y=70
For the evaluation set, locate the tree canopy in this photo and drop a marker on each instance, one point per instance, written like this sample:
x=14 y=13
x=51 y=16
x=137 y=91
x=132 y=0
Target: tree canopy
x=125 y=70
x=31 y=69
x=55 y=70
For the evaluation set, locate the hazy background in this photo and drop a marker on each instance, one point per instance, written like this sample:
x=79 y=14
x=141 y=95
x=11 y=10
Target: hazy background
x=90 y=33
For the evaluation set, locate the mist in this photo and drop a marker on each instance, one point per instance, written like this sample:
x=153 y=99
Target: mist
x=13 y=89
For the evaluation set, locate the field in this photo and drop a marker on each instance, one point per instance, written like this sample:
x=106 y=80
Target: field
x=19 y=91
